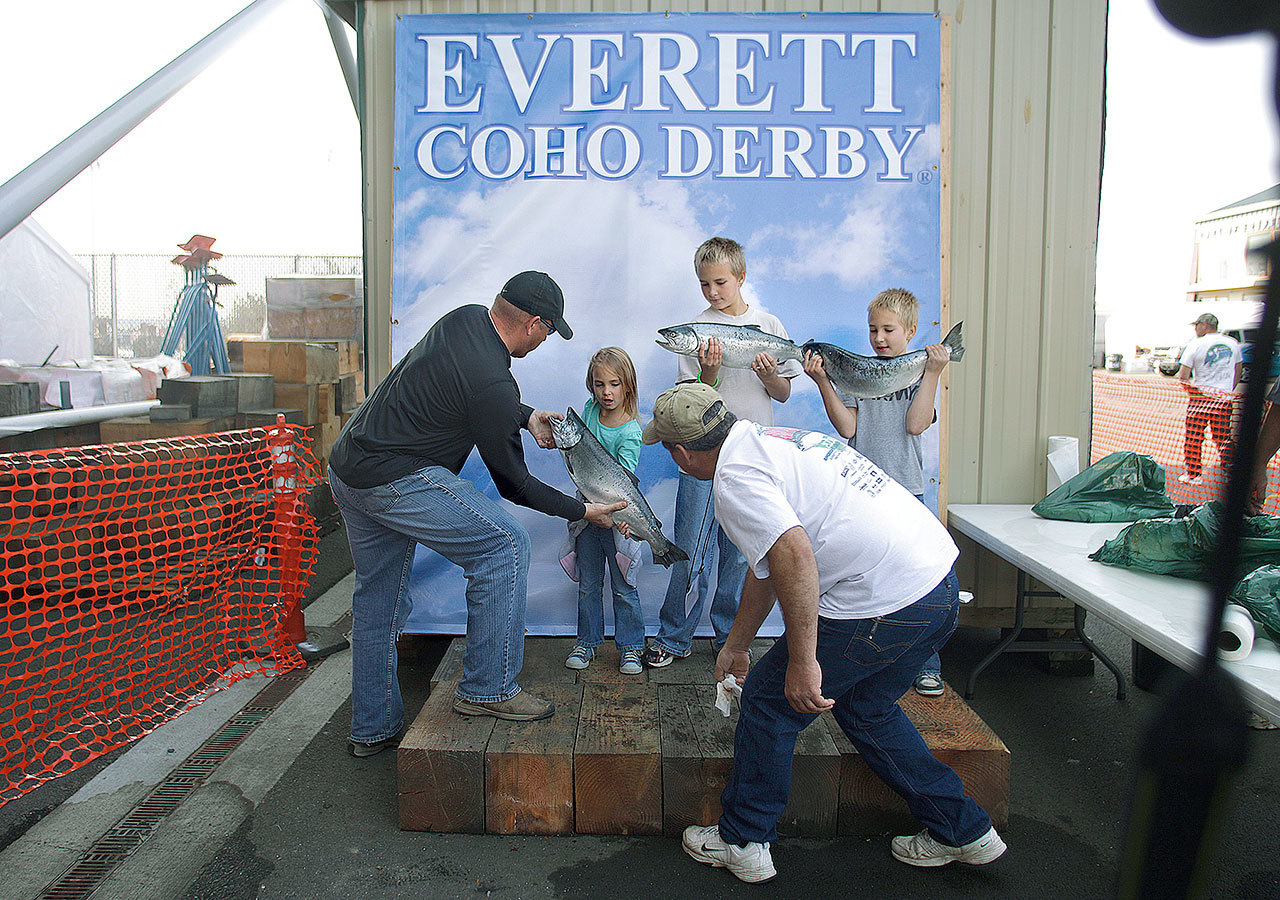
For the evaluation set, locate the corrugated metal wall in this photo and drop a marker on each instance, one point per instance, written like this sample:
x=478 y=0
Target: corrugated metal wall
x=1026 y=136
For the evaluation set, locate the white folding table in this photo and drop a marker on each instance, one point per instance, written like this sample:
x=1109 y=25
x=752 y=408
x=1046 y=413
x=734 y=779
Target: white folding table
x=1165 y=614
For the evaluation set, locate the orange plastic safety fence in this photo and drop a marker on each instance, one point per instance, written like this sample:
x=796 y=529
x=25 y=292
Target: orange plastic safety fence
x=1188 y=430
x=137 y=579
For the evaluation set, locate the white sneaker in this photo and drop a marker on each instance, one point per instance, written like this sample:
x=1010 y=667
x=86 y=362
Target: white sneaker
x=922 y=850
x=750 y=863
x=1187 y=479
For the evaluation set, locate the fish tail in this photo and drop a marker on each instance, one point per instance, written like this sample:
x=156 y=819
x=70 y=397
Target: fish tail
x=954 y=342
x=670 y=555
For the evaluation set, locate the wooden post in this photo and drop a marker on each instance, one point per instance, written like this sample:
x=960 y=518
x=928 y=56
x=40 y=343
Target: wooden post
x=617 y=766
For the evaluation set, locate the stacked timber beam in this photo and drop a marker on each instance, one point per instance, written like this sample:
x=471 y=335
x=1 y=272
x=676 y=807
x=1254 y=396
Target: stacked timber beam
x=649 y=754
x=319 y=380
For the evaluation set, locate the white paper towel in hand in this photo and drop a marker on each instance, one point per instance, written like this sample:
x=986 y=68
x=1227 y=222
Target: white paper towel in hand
x=1235 y=634
x=1064 y=460
x=725 y=692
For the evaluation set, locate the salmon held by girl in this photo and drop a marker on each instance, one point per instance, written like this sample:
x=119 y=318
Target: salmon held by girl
x=598 y=475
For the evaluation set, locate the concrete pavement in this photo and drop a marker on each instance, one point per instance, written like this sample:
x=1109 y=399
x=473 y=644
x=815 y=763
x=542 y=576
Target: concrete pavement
x=290 y=814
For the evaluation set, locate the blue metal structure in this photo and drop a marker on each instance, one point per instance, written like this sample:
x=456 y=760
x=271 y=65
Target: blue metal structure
x=195 y=315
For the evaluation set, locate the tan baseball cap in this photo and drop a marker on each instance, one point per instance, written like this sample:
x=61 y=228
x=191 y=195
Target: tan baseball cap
x=685 y=413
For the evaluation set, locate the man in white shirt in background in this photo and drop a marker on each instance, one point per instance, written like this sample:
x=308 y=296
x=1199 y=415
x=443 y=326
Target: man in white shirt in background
x=1212 y=363
x=863 y=572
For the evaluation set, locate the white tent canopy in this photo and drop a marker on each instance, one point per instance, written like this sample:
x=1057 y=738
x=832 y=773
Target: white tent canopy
x=44 y=299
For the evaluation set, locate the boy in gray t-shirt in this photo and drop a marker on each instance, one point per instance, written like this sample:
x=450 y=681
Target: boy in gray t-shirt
x=886 y=430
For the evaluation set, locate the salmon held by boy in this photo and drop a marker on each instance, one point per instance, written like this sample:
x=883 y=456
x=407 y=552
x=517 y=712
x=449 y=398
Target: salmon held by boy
x=878 y=376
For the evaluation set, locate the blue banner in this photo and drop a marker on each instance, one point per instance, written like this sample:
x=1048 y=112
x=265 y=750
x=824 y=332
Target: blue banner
x=603 y=149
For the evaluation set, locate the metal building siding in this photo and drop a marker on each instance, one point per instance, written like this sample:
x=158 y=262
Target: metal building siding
x=1025 y=157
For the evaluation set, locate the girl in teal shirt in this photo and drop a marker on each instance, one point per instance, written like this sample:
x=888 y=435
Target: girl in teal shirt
x=612 y=417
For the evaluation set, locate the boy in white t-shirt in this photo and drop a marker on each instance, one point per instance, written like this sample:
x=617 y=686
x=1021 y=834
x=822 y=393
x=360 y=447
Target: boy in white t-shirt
x=749 y=394
x=864 y=576
x=1212 y=363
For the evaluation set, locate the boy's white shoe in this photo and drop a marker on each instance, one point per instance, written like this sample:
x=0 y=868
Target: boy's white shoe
x=922 y=850
x=751 y=863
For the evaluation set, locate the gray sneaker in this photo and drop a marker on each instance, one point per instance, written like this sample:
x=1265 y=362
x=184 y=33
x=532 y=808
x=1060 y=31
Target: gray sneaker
x=523 y=707
x=580 y=658
x=630 y=663
x=750 y=862
x=924 y=850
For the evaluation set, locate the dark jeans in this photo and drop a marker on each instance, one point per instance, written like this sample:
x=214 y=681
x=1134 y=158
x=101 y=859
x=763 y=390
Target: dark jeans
x=867 y=664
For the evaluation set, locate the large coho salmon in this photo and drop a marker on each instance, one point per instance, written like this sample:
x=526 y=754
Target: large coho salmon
x=739 y=344
x=602 y=479
x=878 y=376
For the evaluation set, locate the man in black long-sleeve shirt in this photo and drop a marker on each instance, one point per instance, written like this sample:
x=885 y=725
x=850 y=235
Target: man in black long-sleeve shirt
x=394 y=474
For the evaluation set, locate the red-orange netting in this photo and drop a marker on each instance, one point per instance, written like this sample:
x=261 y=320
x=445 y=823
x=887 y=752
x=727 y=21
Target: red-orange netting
x=1188 y=430
x=138 y=578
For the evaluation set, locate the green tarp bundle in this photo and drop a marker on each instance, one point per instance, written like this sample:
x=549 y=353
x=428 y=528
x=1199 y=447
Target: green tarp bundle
x=1185 y=547
x=1122 y=487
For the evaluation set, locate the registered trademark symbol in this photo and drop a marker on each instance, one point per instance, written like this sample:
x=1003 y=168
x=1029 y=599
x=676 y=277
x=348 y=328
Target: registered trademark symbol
x=924 y=176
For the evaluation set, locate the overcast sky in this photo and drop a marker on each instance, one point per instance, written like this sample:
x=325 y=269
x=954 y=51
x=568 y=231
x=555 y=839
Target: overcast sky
x=262 y=151
x=1189 y=129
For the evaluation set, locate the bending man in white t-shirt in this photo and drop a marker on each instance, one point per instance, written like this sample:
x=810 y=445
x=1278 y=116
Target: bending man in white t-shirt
x=1212 y=362
x=863 y=573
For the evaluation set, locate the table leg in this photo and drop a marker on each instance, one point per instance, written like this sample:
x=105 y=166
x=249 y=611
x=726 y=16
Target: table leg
x=1097 y=651
x=1018 y=604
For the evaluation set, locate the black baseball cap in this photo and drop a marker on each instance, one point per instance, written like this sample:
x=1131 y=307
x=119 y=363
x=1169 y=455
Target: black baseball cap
x=538 y=294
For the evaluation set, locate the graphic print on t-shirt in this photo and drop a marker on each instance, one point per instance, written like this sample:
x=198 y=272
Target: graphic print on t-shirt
x=1216 y=355
x=855 y=468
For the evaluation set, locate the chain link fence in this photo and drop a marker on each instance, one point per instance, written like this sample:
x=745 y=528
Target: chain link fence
x=133 y=294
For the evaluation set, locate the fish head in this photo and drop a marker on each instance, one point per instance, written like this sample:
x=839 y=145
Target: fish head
x=679 y=339
x=569 y=430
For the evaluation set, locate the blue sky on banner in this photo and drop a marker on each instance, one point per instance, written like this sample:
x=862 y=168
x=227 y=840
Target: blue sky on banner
x=604 y=149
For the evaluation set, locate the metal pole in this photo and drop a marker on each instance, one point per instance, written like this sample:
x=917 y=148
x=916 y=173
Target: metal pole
x=115 y=313
x=24 y=192
x=338 y=34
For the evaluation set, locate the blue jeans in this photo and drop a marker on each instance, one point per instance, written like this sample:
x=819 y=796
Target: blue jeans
x=867 y=664
x=932 y=665
x=594 y=546
x=439 y=510
x=695 y=526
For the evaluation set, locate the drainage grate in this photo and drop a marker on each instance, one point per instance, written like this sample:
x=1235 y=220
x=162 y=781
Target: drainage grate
x=108 y=851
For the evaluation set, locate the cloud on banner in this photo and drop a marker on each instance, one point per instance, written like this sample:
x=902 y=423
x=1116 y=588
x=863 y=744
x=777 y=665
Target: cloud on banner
x=604 y=149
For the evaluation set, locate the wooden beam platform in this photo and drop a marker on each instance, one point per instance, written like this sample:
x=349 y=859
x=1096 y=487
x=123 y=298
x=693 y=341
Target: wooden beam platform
x=649 y=754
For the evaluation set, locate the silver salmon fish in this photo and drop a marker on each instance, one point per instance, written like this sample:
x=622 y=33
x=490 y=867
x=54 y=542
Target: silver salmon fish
x=878 y=376
x=602 y=479
x=739 y=344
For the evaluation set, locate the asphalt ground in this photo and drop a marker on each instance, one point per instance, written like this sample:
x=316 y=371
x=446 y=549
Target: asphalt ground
x=291 y=814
